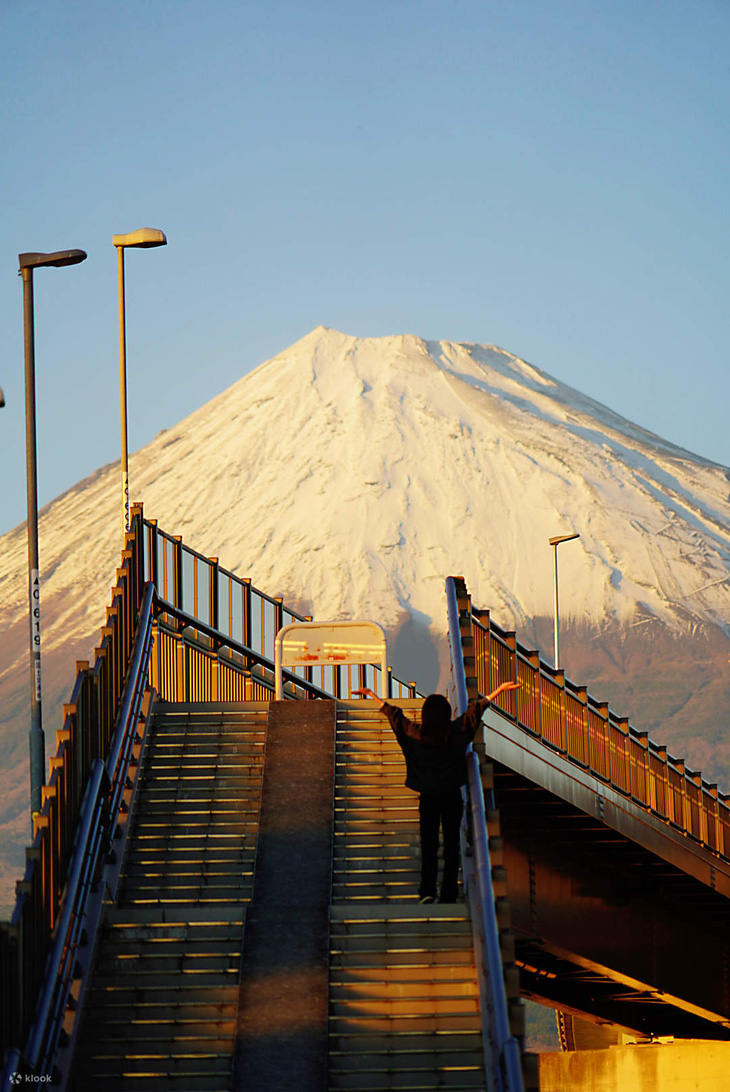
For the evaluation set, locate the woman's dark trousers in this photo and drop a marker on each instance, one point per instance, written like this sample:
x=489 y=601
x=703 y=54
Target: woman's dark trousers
x=440 y=810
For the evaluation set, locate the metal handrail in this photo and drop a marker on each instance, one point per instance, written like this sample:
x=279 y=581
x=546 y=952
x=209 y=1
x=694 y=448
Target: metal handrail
x=222 y=639
x=97 y=822
x=44 y=1033
x=188 y=621
x=568 y=720
x=458 y=674
x=117 y=763
x=504 y=1055
x=501 y=1049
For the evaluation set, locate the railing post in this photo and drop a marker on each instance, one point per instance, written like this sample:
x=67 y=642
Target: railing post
x=581 y=693
x=153 y=564
x=559 y=676
x=623 y=723
x=137 y=525
x=246 y=611
x=466 y=630
x=510 y=638
x=482 y=647
x=680 y=810
x=278 y=614
x=660 y=754
x=177 y=571
x=213 y=604
x=533 y=658
x=601 y=708
x=154 y=659
x=708 y=789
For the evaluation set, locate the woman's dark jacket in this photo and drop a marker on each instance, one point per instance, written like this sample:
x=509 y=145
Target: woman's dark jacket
x=433 y=767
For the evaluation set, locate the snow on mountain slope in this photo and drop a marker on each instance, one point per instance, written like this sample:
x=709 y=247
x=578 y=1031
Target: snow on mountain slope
x=352 y=474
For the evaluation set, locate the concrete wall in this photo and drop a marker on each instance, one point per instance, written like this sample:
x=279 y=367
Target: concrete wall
x=691 y=1066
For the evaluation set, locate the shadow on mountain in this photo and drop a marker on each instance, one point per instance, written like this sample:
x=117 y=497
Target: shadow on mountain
x=416 y=653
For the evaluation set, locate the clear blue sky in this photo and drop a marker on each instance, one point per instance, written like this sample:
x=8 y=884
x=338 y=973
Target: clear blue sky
x=550 y=177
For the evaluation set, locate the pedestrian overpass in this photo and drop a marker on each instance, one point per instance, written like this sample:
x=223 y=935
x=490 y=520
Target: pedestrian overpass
x=221 y=890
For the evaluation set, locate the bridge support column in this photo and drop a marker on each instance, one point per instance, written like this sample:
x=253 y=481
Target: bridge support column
x=684 y=1066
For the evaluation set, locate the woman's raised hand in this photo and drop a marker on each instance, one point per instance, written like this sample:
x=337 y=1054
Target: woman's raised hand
x=502 y=688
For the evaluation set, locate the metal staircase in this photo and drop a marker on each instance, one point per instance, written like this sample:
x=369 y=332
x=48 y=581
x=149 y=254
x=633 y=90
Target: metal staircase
x=161 y=1008
x=404 y=1005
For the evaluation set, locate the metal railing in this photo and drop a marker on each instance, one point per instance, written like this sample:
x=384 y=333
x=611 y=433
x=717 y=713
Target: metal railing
x=216 y=633
x=40 y=916
x=565 y=718
x=502 y=1058
x=213 y=636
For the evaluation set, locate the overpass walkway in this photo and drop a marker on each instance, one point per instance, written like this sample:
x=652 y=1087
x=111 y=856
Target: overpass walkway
x=332 y=975
x=221 y=889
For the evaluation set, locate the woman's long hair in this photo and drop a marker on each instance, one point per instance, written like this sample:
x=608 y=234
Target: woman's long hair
x=435 y=727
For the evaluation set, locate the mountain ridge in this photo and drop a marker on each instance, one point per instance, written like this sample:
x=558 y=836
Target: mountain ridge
x=351 y=475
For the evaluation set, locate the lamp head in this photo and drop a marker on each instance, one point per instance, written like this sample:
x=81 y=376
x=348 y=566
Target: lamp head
x=35 y=260
x=557 y=539
x=143 y=237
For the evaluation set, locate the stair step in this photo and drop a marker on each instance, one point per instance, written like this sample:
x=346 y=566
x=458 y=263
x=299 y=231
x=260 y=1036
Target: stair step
x=113 y=983
x=405 y=975
x=140 y=965
x=426 y=1021
x=164 y=1040
x=360 y=957
x=418 y=1081
x=162 y=1011
x=150 y=1082
x=190 y=918
x=118 y=947
x=240 y=866
x=163 y=1065
x=406 y=1043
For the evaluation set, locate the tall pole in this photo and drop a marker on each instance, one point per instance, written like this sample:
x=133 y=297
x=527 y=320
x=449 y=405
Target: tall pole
x=123 y=389
x=37 y=738
x=143 y=237
x=28 y=262
x=555 y=601
x=555 y=542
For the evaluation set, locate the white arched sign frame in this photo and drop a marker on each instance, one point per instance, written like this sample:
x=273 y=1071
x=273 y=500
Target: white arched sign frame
x=312 y=644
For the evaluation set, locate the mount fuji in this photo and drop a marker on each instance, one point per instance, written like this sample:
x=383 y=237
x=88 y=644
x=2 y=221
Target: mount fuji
x=351 y=475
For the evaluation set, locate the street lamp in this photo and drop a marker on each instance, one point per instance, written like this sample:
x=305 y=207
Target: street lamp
x=29 y=262
x=555 y=542
x=2 y=398
x=143 y=238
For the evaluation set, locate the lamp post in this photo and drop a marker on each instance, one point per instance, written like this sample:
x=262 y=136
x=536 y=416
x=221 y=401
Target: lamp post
x=2 y=398
x=143 y=238
x=29 y=262
x=555 y=542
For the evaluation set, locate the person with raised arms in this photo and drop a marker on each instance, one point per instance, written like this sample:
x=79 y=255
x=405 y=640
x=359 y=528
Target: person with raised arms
x=435 y=754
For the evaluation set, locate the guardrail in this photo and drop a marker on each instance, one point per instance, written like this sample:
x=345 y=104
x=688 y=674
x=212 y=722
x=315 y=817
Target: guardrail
x=502 y=1058
x=565 y=718
x=214 y=640
x=216 y=634
x=40 y=916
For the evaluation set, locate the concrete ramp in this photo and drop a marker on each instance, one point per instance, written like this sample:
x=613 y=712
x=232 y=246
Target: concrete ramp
x=282 y=1022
